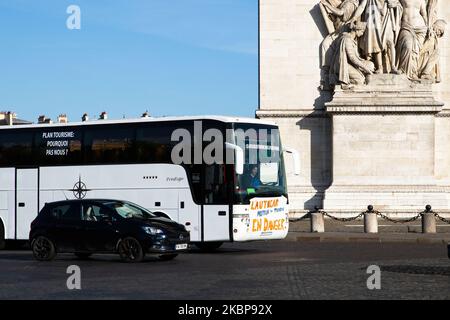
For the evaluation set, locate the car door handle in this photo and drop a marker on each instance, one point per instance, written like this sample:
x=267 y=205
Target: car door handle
x=222 y=213
x=21 y=204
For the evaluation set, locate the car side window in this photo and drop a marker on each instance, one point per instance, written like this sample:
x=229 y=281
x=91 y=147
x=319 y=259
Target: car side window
x=66 y=212
x=93 y=212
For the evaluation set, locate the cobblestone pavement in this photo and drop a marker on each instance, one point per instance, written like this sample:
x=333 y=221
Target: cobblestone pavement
x=258 y=270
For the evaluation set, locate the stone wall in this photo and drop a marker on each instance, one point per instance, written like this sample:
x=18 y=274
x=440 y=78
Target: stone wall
x=290 y=34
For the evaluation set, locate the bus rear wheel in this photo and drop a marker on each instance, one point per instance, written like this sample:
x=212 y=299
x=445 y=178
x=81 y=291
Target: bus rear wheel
x=208 y=246
x=2 y=236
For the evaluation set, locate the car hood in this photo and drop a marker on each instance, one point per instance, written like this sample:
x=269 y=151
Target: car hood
x=161 y=222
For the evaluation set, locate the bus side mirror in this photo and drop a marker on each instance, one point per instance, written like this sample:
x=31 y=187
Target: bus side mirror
x=296 y=158
x=238 y=157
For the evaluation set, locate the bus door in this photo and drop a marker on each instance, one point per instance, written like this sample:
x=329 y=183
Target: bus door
x=26 y=200
x=189 y=214
x=216 y=223
x=216 y=210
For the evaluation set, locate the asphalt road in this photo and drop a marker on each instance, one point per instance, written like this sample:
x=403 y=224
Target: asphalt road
x=258 y=270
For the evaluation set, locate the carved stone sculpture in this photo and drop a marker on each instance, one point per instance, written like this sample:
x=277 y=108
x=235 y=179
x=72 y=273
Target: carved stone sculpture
x=336 y=14
x=391 y=12
x=412 y=36
x=429 y=56
x=400 y=37
x=371 y=43
x=347 y=66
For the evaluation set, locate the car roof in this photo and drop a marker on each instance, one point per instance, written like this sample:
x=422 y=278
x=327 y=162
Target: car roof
x=84 y=200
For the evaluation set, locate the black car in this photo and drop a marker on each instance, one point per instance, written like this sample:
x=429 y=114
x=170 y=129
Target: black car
x=92 y=226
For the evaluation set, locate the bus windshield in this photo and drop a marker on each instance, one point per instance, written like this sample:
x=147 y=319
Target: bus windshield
x=264 y=173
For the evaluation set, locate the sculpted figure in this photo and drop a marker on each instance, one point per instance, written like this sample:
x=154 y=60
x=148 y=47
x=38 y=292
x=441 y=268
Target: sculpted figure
x=371 y=43
x=392 y=12
x=336 y=14
x=412 y=36
x=429 y=56
x=348 y=67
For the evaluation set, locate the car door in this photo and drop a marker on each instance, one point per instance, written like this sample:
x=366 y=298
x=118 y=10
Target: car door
x=100 y=227
x=68 y=230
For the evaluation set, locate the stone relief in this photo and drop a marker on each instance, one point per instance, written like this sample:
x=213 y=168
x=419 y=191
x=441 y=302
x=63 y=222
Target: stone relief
x=379 y=37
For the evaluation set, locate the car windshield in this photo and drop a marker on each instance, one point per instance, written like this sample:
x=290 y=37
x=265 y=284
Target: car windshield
x=128 y=210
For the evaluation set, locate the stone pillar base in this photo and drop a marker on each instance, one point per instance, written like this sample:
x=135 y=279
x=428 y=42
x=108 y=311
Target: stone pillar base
x=400 y=200
x=384 y=147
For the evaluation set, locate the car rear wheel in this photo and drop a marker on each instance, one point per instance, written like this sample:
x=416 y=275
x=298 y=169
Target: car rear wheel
x=43 y=249
x=208 y=246
x=167 y=257
x=82 y=255
x=130 y=250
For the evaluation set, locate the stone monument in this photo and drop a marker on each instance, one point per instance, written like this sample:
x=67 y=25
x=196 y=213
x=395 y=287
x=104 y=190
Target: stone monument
x=367 y=108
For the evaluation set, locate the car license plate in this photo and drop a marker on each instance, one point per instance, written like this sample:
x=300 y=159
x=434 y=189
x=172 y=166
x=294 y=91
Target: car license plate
x=181 y=246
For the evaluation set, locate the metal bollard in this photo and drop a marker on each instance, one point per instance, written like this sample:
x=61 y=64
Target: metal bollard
x=428 y=221
x=370 y=221
x=317 y=223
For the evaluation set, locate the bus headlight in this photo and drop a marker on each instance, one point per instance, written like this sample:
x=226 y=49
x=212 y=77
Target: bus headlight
x=152 y=230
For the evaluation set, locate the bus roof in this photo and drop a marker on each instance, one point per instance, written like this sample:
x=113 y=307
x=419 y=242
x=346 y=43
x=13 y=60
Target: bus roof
x=226 y=119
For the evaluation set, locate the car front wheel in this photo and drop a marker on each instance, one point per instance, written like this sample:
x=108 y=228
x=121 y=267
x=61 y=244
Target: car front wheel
x=130 y=250
x=43 y=249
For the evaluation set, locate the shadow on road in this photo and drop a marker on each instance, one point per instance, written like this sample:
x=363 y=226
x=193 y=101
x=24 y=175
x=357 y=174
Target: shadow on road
x=17 y=245
x=226 y=251
x=24 y=254
x=67 y=257
x=423 y=270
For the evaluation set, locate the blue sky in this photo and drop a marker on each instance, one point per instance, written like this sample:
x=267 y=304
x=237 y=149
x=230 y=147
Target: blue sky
x=177 y=57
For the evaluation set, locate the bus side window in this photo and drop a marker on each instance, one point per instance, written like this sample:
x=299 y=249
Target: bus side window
x=109 y=145
x=215 y=186
x=153 y=142
x=16 y=148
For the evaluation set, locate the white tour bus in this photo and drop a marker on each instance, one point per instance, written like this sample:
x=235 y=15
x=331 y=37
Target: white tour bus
x=131 y=160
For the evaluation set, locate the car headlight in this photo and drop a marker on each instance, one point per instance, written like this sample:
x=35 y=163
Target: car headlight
x=152 y=230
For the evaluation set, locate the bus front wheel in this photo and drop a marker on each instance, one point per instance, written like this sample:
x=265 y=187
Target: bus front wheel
x=208 y=246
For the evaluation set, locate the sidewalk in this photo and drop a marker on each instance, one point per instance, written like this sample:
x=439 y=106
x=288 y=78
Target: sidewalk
x=375 y=238
x=358 y=226
x=354 y=232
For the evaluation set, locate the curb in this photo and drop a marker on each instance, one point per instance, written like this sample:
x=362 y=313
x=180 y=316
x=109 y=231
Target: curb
x=369 y=239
